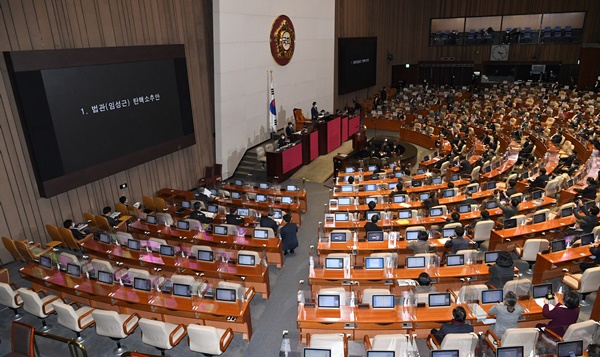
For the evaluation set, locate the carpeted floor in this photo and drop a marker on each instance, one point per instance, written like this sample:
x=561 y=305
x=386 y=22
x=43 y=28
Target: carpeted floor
x=321 y=169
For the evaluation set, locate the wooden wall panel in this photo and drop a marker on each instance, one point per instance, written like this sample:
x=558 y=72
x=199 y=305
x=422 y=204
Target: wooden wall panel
x=58 y=24
x=402 y=28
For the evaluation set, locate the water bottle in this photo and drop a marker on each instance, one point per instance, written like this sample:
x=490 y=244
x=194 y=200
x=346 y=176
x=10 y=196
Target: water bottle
x=352 y=299
x=355 y=239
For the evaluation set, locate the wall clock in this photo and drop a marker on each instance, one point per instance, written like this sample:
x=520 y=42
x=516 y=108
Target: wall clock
x=499 y=53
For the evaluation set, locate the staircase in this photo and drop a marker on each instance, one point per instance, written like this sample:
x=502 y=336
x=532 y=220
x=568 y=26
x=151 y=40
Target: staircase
x=249 y=168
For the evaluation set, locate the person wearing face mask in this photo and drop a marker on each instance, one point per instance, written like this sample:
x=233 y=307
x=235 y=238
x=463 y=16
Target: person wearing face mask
x=281 y=142
x=314 y=111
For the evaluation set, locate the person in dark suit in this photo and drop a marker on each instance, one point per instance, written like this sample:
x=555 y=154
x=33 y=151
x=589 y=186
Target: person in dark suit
x=561 y=318
x=399 y=190
x=371 y=205
x=420 y=245
x=457 y=325
x=314 y=111
x=233 y=217
x=383 y=95
x=287 y=233
x=106 y=212
x=503 y=271
x=556 y=138
x=460 y=242
x=289 y=130
x=199 y=215
x=509 y=210
x=511 y=190
x=590 y=190
x=588 y=221
x=465 y=166
x=431 y=201
x=268 y=221
x=541 y=180
x=281 y=141
x=595 y=251
x=372 y=225
x=70 y=225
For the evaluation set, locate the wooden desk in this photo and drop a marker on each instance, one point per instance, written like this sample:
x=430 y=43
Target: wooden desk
x=126 y=300
x=425 y=188
x=263 y=207
x=518 y=233
x=281 y=165
x=220 y=269
x=300 y=195
x=174 y=235
x=550 y=265
x=174 y=195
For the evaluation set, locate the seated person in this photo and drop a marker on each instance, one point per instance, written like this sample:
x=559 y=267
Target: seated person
x=509 y=210
x=469 y=199
x=590 y=190
x=106 y=212
x=595 y=251
x=420 y=245
x=267 y=221
x=424 y=284
x=511 y=190
x=399 y=190
x=507 y=314
x=541 y=180
x=432 y=201
x=459 y=242
x=503 y=271
x=372 y=225
x=233 y=217
x=454 y=218
x=588 y=221
x=69 y=224
x=457 y=325
x=371 y=206
x=560 y=317
x=198 y=215
x=281 y=142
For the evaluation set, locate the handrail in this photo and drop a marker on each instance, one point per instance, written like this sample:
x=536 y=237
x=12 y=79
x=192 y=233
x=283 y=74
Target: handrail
x=74 y=346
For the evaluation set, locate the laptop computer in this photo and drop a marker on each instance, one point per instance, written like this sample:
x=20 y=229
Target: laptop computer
x=586 y=239
x=347 y=188
x=142 y=284
x=236 y=195
x=205 y=256
x=454 y=177
x=371 y=214
x=566 y=212
x=537 y=195
x=371 y=199
x=492 y=296
x=416 y=183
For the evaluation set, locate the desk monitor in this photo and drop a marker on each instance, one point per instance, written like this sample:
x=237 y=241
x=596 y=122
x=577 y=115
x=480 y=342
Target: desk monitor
x=491 y=257
x=537 y=195
x=277 y=214
x=435 y=212
x=260 y=233
x=541 y=290
x=492 y=296
x=375 y=236
x=566 y=212
x=496 y=164
x=471 y=189
x=373 y=263
x=133 y=244
x=349 y=170
x=288 y=200
x=515 y=351
x=399 y=198
x=104 y=238
x=182 y=290
x=244 y=212
x=291 y=188
x=518 y=198
x=466 y=208
x=342 y=201
x=239 y=182
x=246 y=260
x=236 y=195
x=392 y=185
x=45 y=262
x=420 y=171
x=416 y=183
x=205 y=256
x=453 y=260
x=214 y=192
x=558 y=245
x=415 y=262
x=167 y=250
x=261 y=198
x=186 y=204
x=328 y=301
x=426 y=158
x=539 y=218
x=150 y=219
x=371 y=168
x=337 y=237
x=316 y=352
x=227 y=295
x=383 y=301
x=398 y=174
x=371 y=214
x=454 y=177
x=423 y=196
x=448 y=232
x=183 y=225
x=371 y=199
x=525 y=175
x=347 y=188
x=439 y=300
x=142 y=284
x=412 y=235
x=374 y=177
x=534 y=171
x=405 y=214
x=586 y=239
x=220 y=230
x=334 y=263
x=346 y=178
x=342 y=217
x=444 y=353
x=212 y=208
x=449 y=193
x=487 y=169
x=491 y=185
x=570 y=183
x=263 y=186
x=510 y=223
x=105 y=277
x=381 y=354
x=436 y=180
x=391 y=165
x=570 y=348
x=491 y=204
x=434 y=154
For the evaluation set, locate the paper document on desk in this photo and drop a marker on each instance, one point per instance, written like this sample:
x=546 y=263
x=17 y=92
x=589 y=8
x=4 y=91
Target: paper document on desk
x=540 y=302
x=208 y=214
x=206 y=192
x=404 y=205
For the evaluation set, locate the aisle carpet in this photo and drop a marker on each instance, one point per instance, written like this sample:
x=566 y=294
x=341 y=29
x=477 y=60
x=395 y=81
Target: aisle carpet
x=321 y=169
